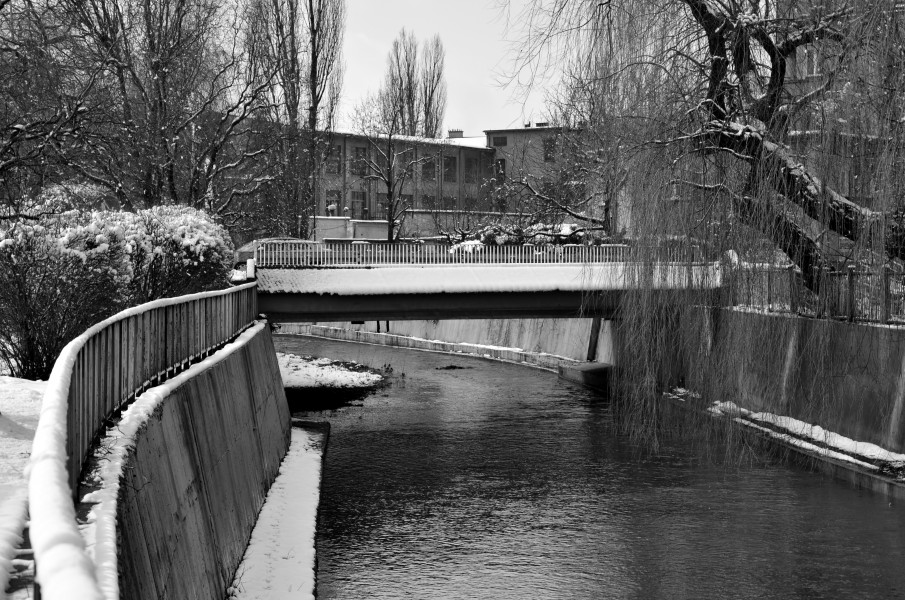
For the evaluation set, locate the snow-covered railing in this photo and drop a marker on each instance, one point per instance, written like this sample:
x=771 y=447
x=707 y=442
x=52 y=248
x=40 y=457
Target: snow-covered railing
x=95 y=375
x=297 y=254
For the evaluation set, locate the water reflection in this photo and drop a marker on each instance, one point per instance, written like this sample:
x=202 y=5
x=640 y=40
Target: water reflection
x=497 y=481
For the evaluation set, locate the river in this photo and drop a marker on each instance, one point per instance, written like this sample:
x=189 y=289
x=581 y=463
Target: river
x=467 y=478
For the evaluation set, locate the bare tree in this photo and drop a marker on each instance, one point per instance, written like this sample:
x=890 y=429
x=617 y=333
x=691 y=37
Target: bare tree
x=432 y=88
x=301 y=41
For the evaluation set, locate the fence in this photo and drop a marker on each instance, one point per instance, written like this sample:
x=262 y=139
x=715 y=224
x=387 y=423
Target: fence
x=96 y=375
x=297 y=254
x=873 y=296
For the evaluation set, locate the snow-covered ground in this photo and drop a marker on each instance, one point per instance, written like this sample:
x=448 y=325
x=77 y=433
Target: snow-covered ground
x=308 y=372
x=279 y=561
x=20 y=406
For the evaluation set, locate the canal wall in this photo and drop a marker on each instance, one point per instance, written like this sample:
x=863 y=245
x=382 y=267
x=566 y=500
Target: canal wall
x=197 y=474
x=848 y=378
x=519 y=340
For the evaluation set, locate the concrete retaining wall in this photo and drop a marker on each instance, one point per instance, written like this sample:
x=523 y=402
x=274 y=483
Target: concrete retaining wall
x=848 y=378
x=198 y=476
x=560 y=337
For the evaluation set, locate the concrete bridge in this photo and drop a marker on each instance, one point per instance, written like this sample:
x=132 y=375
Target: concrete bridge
x=300 y=282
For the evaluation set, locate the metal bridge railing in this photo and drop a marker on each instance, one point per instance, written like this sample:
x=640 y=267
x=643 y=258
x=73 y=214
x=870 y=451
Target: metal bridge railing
x=96 y=375
x=299 y=254
x=851 y=294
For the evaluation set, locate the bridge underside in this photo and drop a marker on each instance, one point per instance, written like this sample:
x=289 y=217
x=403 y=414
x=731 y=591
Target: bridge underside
x=311 y=307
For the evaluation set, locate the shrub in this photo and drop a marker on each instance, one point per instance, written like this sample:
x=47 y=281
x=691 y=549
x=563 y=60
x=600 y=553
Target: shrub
x=62 y=270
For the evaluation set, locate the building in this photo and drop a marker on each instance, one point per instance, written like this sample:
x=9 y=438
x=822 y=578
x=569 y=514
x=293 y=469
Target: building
x=444 y=179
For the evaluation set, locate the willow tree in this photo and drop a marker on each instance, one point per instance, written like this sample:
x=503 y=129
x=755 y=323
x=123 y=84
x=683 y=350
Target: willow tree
x=726 y=93
x=773 y=129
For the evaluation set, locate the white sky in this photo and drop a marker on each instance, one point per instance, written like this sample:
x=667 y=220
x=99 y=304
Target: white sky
x=477 y=55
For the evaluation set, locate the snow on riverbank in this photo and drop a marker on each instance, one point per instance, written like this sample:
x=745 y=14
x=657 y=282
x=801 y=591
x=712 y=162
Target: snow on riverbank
x=309 y=372
x=279 y=560
x=814 y=438
x=20 y=407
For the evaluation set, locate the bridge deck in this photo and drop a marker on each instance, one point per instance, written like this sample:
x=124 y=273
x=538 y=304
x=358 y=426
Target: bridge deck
x=487 y=278
x=474 y=291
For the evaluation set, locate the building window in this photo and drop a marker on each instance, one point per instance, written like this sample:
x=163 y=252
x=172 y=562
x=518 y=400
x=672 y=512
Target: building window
x=406 y=200
x=448 y=203
x=383 y=206
x=499 y=169
x=450 y=169
x=359 y=205
x=334 y=203
x=334 y=159
x=360 y=164
x=428 y=201
x=429 y=170
x=471 y=170
x=549 y=149
x=500 y=140
x=808 y=60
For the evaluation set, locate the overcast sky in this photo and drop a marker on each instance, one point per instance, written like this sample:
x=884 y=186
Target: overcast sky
x=477 y=54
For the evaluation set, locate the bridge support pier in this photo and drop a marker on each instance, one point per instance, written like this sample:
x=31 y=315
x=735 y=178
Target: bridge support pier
x=594 y=339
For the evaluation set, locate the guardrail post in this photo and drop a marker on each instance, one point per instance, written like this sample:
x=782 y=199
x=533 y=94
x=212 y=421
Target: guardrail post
x=250 y=269
x=850 y=278
x=793 y=290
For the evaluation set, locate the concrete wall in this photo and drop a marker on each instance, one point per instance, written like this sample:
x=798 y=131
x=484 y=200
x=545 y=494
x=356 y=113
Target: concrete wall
x=848 y=378
x=561 y=337
x=198 y=476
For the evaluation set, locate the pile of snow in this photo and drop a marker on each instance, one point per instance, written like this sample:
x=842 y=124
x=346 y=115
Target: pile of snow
x=309 y=372
x=20 y=405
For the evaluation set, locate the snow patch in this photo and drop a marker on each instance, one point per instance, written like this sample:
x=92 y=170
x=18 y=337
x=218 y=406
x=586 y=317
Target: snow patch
x=308 y=372
x=280 y=558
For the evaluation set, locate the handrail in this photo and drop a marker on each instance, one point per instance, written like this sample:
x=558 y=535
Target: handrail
x=299 y=254
x=95 y=375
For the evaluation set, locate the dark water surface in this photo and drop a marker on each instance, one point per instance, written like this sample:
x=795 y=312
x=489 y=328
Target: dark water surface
x=499 y=481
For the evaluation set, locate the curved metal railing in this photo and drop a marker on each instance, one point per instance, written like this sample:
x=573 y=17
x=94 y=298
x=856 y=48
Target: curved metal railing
x=96 y=375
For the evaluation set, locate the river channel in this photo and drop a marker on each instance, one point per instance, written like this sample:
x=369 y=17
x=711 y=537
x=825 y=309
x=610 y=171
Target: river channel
x=466 y=478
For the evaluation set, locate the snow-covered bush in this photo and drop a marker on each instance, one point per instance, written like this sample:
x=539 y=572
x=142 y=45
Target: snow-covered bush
x=174 y=250
x=63 y=270
x=58 y=276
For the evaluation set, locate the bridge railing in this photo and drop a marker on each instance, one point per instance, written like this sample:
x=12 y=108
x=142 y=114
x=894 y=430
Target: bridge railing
x=851 y=294
x=298 y=254
x=96 y=375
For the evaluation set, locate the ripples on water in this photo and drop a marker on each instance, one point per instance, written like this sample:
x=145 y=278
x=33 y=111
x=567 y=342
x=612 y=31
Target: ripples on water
x=498 y=481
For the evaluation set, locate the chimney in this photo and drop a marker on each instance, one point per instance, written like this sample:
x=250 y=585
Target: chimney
x=455 y=134
x=528 y=125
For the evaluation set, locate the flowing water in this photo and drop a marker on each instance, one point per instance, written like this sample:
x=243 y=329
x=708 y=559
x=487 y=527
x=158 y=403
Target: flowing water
x=467 y=478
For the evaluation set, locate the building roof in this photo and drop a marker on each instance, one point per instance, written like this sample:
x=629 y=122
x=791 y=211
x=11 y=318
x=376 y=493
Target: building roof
x=478 y=142
x=524 y=129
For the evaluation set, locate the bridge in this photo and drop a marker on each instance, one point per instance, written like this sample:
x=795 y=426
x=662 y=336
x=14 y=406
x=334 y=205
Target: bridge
x=303 y=282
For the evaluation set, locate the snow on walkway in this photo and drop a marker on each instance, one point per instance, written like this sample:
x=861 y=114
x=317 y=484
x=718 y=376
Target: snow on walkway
x=20 y=407
x=279 y=561
x=307 y=372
